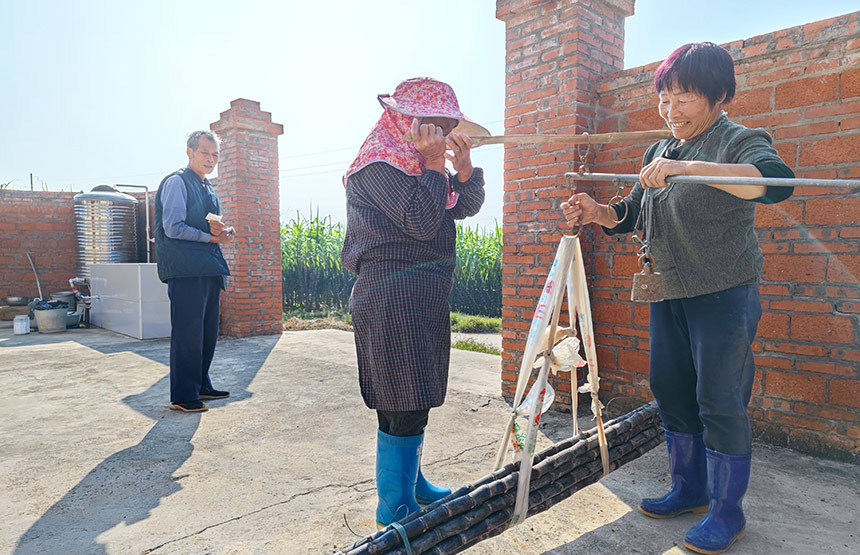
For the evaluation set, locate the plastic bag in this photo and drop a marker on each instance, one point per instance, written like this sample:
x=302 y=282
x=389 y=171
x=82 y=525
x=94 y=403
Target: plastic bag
x=526 y=406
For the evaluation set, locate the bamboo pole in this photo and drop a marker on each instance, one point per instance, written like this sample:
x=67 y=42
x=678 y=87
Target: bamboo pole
x=583 y=139
x=722 y=180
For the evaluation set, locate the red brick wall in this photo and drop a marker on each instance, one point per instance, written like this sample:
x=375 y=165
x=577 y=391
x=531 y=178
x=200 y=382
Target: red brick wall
x=248 y=190
x=802 y=85
x=557 y=52
x=41 y=223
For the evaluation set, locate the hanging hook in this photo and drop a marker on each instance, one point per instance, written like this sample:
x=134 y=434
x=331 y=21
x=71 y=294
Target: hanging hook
x=583 y=158
x=618 y=199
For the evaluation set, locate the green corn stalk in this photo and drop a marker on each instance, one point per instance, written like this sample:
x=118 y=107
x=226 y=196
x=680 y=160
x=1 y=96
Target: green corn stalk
x=478 y=273
x=314 y=280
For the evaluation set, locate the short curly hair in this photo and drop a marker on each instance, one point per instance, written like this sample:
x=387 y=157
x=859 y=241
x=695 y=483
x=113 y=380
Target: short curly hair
x=701 y=67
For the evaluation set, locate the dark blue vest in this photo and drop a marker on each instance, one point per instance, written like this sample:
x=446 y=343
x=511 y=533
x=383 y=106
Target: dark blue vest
x=177 y=258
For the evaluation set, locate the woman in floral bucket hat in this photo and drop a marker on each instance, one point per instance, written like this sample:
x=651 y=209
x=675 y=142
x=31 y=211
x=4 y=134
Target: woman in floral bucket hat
x=400 y=240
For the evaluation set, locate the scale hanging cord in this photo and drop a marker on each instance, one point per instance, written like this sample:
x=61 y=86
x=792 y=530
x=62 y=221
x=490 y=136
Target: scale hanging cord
x=583 y=173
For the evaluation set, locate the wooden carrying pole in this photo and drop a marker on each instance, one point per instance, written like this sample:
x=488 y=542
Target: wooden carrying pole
x=583 y=139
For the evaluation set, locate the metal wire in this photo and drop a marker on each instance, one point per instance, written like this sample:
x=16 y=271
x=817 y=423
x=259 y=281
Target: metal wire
x=714 y=180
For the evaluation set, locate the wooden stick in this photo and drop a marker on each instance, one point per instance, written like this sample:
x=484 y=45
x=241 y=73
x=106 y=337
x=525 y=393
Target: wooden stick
x=583 y=139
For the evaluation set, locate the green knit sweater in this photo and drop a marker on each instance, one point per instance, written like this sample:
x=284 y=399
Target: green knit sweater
x=704 y=239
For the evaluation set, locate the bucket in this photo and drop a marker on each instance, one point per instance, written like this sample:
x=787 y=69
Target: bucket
x=51 y=321
x=67 y=297
x=21 y=324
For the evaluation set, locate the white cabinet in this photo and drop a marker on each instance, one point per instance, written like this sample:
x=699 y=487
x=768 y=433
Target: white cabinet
x=129 y=299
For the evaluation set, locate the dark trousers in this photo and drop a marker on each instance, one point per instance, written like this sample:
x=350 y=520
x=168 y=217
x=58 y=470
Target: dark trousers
x=402 y=423
x=702 y=367
x=194 y=320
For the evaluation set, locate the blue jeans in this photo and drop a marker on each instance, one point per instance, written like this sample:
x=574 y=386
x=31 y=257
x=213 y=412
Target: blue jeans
x=702 y=367
x=194 y=320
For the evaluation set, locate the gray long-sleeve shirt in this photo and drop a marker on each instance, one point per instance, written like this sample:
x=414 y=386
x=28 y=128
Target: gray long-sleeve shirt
x=174 y=200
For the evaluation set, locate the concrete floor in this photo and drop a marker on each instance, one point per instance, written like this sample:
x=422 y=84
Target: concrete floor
x=94 y=462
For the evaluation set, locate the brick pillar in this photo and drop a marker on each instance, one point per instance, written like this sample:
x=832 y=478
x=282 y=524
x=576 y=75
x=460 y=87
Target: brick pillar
x=558 y=52
x=247 y=186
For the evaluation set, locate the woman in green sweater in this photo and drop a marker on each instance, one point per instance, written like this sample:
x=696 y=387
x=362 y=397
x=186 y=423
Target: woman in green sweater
x=701 y=239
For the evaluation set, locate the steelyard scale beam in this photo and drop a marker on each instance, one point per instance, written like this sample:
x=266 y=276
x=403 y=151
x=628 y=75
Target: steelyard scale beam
x=713 y=180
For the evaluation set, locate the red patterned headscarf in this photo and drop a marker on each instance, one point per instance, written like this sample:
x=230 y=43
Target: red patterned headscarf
x=418 y=97
x=385 y=143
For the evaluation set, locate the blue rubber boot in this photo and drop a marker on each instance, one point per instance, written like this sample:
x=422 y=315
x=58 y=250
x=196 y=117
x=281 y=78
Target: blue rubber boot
x=728 y=478
x=425 y=492
x=689 y=472
x=396 y=474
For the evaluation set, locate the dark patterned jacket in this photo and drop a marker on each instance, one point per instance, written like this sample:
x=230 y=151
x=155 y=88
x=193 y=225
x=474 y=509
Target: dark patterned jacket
x=392 y=216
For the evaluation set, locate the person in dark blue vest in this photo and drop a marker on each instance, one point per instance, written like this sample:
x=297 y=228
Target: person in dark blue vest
x=188 y=234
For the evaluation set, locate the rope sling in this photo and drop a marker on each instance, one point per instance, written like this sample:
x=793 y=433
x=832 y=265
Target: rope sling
x=567 y=273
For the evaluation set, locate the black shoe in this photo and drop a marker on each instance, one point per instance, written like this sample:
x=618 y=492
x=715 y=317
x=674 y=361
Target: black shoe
x=190 y=406
x=210 y=394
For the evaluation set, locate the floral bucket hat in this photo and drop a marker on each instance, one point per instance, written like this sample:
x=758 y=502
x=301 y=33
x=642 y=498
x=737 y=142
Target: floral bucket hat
x=426 y=97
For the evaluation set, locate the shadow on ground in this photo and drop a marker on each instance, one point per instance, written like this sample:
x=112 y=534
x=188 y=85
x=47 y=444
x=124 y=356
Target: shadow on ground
x=110 y=495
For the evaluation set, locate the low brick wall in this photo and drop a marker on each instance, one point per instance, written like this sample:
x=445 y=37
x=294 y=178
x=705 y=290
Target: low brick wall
x=41 y=223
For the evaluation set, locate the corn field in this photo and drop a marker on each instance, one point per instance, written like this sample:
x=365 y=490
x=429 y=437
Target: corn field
x=313 y=278
x=478 y=274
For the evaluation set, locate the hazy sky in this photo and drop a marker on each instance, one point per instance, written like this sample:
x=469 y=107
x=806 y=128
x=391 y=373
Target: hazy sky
x=106 y=92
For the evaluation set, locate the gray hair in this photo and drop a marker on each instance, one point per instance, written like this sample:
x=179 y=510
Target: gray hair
x=194 y=139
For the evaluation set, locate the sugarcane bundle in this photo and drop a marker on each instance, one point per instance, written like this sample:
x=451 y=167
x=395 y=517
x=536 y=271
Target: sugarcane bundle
x=484 y=508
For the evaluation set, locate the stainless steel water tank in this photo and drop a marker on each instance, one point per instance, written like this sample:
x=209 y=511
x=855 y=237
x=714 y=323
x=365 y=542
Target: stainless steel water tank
x=105 y=228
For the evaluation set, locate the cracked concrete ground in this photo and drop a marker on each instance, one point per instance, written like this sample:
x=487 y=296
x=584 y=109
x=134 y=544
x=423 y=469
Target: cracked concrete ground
x=94 y=462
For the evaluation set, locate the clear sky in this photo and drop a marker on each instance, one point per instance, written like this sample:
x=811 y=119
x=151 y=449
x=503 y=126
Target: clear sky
x=96 y=92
